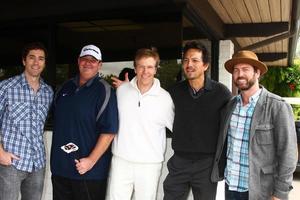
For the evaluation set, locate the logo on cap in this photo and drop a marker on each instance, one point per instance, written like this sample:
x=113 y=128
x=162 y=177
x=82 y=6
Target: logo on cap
x=91 y=50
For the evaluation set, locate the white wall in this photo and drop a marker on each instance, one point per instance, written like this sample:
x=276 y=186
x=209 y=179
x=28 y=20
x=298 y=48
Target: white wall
x=47 y=193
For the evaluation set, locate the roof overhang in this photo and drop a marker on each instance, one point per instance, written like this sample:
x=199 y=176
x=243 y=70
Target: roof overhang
x=270 y=28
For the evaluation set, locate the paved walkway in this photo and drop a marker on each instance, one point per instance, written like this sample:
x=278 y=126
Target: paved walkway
x=295 y=193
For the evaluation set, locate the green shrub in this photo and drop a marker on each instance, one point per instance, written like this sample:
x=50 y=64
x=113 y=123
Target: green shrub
x=284 y=81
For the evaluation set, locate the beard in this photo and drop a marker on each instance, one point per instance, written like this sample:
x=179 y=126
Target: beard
x=246 y=84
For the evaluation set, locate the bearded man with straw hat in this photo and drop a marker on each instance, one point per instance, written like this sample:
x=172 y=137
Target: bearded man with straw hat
x=257 y=145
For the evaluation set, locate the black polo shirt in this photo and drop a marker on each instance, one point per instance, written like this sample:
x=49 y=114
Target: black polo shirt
x=75 y=113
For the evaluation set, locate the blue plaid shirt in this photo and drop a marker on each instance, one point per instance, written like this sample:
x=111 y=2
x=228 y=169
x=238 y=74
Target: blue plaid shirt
x=22 y=117
x=237 y=168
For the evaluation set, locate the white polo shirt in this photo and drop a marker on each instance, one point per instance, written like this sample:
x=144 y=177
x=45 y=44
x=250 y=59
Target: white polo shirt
x=142 y=122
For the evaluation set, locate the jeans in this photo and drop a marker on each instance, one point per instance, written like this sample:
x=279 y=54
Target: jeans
x=234 y=195
x=13 y=181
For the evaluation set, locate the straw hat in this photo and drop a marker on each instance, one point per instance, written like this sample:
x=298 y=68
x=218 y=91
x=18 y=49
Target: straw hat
x=247 y=57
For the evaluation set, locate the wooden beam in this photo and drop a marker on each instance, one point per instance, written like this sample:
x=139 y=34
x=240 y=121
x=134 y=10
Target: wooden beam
x=268 y=41
x=255 y=29
x=237 y=45
x=205 y=19
x=269 y=57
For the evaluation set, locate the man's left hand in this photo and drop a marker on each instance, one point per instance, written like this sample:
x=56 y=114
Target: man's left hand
x=275 y=198
x=117 y=82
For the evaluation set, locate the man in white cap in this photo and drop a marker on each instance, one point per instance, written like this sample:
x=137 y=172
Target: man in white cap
x=257 y=146
x=85 y=122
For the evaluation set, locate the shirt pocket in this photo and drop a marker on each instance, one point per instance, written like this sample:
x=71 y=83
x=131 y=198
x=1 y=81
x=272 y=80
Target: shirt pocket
x=19 y=111
x=42 y=111
x=264 y=134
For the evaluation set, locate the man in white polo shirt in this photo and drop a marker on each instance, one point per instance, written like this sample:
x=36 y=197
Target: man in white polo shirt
x=145 y=110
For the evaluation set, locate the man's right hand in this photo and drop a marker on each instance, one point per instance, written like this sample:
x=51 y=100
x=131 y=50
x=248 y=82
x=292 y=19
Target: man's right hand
x=6 y=158
x=117 y=82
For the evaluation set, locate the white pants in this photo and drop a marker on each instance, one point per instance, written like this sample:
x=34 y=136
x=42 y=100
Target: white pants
x=126 y=177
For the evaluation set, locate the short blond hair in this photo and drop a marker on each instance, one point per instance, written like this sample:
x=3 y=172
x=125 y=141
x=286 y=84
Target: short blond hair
x=146 y=53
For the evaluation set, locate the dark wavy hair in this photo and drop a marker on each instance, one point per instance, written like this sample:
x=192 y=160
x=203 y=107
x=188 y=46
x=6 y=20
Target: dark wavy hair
x=199 y=46
x=33 y=46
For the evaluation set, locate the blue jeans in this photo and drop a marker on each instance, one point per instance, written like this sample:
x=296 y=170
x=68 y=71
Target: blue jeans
x=234 y=195
x=13 y=182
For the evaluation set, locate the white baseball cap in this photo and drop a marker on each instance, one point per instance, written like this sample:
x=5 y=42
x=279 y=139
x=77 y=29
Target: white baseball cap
x=91 y=50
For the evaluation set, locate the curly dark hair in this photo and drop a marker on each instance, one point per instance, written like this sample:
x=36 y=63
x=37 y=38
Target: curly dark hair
x=33 y=46
x=200 y=47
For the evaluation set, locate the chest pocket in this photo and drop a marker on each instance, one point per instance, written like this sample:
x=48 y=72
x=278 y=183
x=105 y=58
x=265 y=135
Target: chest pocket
x=42 y=112
x=264 y=134
x=19 y=111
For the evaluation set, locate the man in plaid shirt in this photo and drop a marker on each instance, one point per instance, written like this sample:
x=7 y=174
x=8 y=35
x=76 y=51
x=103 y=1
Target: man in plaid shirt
x=24 y=103
x=257 y=146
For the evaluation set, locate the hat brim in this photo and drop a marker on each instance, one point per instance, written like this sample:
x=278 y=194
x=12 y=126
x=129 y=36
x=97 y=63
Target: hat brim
x=80 y=56
x=255 y=63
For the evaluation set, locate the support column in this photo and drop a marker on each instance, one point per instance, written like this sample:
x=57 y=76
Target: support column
x=226 y=52
x=215 y=59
